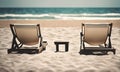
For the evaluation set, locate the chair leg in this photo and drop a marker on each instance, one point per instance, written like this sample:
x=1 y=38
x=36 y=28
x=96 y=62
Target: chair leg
x=40 y=48
x=114 y=51
x=81 y=51
x=9 y=51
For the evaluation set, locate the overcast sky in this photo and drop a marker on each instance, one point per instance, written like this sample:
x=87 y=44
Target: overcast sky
x=59 y=3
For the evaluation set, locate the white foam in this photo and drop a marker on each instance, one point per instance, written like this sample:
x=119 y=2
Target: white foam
x=83 y=16
x=23 y=15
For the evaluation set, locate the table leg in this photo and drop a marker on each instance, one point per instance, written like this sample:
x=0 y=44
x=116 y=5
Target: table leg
x=57 y=47
x=66 y=47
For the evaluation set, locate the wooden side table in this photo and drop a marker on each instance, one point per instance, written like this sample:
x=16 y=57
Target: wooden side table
x=60 y=43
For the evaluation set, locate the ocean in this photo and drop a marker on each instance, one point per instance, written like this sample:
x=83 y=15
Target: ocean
x=59 y=13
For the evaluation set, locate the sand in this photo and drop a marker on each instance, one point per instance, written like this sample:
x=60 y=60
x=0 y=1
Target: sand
x=58 y=23
x=51 y=61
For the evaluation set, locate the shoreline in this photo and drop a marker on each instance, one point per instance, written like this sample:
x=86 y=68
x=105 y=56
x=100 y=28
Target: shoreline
x=59 y=23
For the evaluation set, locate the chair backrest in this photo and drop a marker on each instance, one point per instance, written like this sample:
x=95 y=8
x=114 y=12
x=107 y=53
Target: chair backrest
x=27 y=34
x=96 y=34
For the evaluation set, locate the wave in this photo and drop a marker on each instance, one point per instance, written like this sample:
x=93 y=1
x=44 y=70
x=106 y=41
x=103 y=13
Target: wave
x=23 y=15
x=41 y=15
x=60 y=16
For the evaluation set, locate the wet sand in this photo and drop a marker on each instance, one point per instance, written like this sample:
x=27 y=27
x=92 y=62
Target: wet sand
x=58 y=23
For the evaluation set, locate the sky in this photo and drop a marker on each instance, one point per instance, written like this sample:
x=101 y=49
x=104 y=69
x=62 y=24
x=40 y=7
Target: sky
x=59 y=3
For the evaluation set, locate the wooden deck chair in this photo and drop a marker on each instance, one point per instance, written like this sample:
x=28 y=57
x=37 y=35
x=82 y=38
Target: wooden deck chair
x=97 y=35
x=26 y=34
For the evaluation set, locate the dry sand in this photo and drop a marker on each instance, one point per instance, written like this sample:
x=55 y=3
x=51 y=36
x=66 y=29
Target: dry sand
x=51 y=61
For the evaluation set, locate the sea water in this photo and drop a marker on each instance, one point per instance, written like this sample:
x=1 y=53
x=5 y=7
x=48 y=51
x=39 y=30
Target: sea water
x=60 y=13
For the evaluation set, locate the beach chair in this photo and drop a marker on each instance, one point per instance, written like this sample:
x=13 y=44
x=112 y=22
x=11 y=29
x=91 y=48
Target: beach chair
x=28 y=35
x=97 y=37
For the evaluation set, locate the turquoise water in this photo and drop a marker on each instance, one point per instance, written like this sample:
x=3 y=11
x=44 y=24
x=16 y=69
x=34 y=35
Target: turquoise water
x=60 y=13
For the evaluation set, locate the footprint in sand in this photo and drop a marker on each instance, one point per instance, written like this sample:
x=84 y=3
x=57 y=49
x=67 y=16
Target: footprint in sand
x=30 y=69
x=46 y=70
x=5 y=69
x=89 y=70
x=3 y=45
x=71 y=71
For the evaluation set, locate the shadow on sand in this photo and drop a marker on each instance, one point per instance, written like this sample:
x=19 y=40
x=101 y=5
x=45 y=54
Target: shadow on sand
x=25 y=50
x=82 y=52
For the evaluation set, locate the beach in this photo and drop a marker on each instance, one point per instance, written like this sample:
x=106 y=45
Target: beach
x=51 y=61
